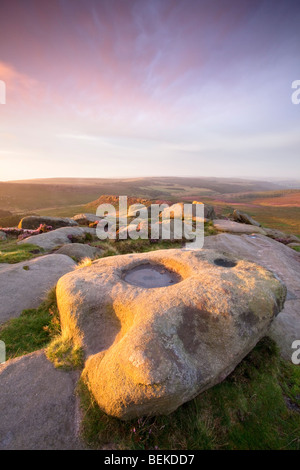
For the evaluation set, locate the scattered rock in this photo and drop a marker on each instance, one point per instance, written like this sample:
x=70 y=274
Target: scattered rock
x=285 y=263
x=24 y=285
x=153 y=349
x=2 y=236
x=34 y=221
x=209 y=212
x=79 y=251
x=235 y=227
x=60 y=236
x=293 y=239
x=244 y=218
x=294 y=245
x=86 y=219
x=38 y=405
x=177 y=211
x=274 y=233
x=282 y=237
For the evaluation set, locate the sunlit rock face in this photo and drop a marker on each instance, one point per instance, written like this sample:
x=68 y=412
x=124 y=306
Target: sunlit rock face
x=149 y=349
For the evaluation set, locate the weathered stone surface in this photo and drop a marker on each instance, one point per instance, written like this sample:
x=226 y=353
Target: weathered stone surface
x=38 y=405
x=24 y=285
x=79 y=251
x=4 y=265
x=150 y=350
x=2 y=236
x=235 y=227
x=34 y=221
x=86 y=218
x=60 y=236
x=285 y=263
x=244 y=218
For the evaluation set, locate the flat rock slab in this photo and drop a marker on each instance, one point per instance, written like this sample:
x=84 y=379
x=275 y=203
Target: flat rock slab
x=79 y=251
x=34 y=221
x=61 y=236
x=281 y=260
x=24 y=285
x=235 y=227
x=153 y=348
x=38 y=405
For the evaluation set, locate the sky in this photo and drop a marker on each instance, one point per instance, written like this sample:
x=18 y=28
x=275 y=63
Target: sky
x=127 y=88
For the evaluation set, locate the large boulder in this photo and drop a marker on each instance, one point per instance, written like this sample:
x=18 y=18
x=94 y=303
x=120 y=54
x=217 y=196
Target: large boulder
x=33 y=222
x=223 y=225
x=38 y=405
x=24 y=285
x=58 y=237
x=284 y=263
x=244 y=218
x=151 y=349
x=86 y=218
x=79 y=251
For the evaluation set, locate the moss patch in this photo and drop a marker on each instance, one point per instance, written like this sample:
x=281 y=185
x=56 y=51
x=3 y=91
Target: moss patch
x=32 y=330
x=11 y=252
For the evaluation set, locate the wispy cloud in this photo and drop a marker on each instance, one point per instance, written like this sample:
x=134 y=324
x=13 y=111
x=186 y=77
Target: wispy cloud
x=142 y=81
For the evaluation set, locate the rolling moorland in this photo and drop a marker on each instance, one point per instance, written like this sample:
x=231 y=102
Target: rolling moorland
x=274 y=205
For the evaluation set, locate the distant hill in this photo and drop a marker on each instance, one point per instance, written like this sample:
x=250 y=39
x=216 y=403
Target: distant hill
x=31 y=195
x=268 y=202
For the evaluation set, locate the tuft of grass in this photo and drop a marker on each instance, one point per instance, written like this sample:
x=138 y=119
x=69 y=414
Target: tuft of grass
x=296 y=248
x=88 y=237
x=248 y=410
x=11 y=252
x=32 y=330
x=65 y=353
x=40 y=328
x=84 y=263
x=209 y=229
